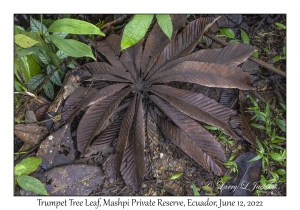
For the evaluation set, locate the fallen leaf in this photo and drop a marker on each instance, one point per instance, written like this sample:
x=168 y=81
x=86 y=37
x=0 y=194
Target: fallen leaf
x=246 y=180
x=30 y=133
x=73 y=180
x=57 y=149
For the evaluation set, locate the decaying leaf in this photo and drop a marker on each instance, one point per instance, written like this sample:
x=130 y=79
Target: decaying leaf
x=30 y=133
x=140 y=80
x=246 y=180
x=57 y=149
x=38 y=105
x=73 y=180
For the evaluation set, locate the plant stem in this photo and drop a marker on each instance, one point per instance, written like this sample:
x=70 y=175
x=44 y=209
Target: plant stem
x=263 y=64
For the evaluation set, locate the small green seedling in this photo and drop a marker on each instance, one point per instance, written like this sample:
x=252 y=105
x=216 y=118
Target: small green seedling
x=231 y=164
x=281 y=26
x=208 y=191
x=245 y=37
x=175 y=176
x=29 y=183
x=195 y=191
x=227 y=32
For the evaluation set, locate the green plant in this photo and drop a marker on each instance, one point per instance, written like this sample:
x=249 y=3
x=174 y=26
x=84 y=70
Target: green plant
x=22 y=178
x=195 y=191
x=231 y=164
x=41 y=52
x=175 y=176
x=222 y=136
x=136 y=29
x=227 y=32
x=283 y=55
x=270 y=151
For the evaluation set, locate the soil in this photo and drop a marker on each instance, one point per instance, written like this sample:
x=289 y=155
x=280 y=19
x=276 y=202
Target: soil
x=165 y=159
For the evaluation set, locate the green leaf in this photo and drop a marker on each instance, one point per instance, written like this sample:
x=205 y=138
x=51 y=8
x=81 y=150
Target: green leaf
x=31 y=50
x=212 y=128
x=74 y=26
x=19 y=87
x=252 y=101
x=277 y=58
x=175 y=176
x=227 y=32
x=255 y=54
x=281 y=124
x=61 y=55
x=267 y=110
x=233 y=41
x=36 y=26
x=225 y=178
x=207 y=189
x=275 y=176
x=284 y=50
x=195 y=191
x=280 y=172
x=32 y=184
x=24 y=41
x=44 y=58
x=35 y=81
x=260 y=146
x=275 y=156
x=279 y=25
x=165 y=23
x=245 y=37
x=27 y=166
x=72 y=47
x=49 y=89
x=266 y=50
x=55 y=78
x=18 y=29
x=255 y=158
x=72 y=65
x=135 y=30
x=258 y=126
x=62 y=34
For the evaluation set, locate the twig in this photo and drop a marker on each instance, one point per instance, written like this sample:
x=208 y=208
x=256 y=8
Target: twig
x=114 y=22
x=263 y=64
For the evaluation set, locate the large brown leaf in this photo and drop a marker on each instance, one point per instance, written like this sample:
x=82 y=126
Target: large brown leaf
x=199 y=100
x=128 y=61
x=184 y=43
x=96 y=117
x=207 y=74
x=109 y=135
x=30 y=133
x=196 y=113
x=193 y=129
x=233 y=55
x=137 y=56
x=103 y=68
x=113 y=163
x=91 y=98
x=156 y=41
x=133 y=163
x=189 y=146
x=110 y=48
x=106 y=77
x=76 y=101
